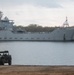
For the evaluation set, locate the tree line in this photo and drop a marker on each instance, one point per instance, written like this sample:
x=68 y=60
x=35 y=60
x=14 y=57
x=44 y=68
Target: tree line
x=35 y=28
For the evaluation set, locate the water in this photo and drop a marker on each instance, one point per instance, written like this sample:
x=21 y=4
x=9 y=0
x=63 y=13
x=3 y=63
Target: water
x=40 y=53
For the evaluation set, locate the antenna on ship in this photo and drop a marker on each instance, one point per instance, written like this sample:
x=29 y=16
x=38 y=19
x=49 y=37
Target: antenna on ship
x=66 y=24
x=1 y=15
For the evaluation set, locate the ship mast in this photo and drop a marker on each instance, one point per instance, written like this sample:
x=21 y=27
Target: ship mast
x=1 y=15
x=66 y=24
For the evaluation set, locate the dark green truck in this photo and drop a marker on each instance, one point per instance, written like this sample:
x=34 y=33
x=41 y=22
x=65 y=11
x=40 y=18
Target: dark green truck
x=5 y=57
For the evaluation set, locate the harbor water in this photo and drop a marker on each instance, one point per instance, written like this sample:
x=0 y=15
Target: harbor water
x=40 y=53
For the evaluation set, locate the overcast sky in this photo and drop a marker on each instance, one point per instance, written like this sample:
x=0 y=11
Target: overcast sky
x=42 y=12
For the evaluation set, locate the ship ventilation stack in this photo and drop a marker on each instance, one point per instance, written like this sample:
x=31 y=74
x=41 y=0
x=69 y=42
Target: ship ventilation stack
x=66 y=24
x=1 y=15
x=6 y=19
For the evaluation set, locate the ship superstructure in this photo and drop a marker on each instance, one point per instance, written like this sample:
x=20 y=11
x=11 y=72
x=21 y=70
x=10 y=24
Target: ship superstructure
x=7 y=33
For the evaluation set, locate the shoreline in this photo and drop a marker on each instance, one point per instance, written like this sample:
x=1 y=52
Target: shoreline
x=36 y=70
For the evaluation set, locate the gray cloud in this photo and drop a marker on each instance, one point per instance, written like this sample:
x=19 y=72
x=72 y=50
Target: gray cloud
x=43 y=3
x=46 y=3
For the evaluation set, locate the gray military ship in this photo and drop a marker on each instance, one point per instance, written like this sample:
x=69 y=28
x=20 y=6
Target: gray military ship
x=7 y=33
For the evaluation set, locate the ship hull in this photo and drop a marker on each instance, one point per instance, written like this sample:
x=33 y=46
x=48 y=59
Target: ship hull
x=60 y=34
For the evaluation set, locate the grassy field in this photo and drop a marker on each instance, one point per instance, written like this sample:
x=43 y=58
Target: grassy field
x=36 y=70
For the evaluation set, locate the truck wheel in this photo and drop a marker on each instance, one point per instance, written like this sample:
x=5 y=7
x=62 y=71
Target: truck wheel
x=9 y=63
x=2 y=63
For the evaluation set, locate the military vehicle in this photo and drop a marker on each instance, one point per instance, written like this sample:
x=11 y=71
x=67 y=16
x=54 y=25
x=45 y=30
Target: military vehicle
x=5 y=58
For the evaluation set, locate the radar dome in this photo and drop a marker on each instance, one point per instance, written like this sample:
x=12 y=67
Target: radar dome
x=66 y=24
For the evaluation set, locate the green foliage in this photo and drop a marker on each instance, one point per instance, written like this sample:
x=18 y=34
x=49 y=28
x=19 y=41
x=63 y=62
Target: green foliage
x=35 y=28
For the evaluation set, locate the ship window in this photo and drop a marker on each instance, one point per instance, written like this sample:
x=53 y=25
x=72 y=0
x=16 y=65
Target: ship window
x=10 y=38
x=38 y=38
x=43 y=38
x=48 y=38
x=15 y=38
x=5 y=38
x=26 y=38
x=32 y=38
x=21 y=38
